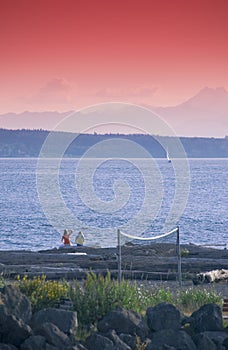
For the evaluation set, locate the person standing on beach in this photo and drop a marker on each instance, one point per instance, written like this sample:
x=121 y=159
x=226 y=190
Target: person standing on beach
x=80 y=238
x=66 y=237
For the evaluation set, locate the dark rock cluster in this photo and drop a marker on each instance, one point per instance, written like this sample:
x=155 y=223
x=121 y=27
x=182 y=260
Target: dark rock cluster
x=162 y=328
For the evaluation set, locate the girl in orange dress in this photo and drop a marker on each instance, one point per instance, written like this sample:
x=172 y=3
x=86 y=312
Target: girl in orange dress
x=66 y=237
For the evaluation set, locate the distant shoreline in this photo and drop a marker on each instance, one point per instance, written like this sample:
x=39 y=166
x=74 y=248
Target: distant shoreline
x=28 y=143
x=79 y=157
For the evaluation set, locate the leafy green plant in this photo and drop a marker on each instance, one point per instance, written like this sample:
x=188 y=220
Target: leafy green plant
x=2 y=282
x=43 y=293
x=100 y=294
x=97 y=295
x=139 y=345
x=185 y=252
x=191 y=299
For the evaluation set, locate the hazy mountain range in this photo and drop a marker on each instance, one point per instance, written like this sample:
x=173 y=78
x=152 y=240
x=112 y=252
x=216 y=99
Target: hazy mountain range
x=203 y=115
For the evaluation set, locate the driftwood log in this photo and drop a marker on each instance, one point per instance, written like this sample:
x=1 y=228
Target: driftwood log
x=211 y=276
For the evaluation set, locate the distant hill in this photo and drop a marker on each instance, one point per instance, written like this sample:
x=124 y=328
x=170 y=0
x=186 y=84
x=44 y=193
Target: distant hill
x=207 y=110
x=31 y=120
x=204 y=115
x=28 y=143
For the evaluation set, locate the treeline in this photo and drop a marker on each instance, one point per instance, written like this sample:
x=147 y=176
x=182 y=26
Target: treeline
x=28 y=143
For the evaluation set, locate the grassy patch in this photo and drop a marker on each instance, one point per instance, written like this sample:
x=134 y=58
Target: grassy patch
x=2 y=282
x=97 y=295
x=192 y=299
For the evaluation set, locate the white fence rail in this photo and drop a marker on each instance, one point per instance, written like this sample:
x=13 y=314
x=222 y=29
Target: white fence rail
x=120 y=233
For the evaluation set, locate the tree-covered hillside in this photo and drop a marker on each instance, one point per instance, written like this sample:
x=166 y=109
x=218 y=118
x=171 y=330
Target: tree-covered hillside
x=28 y=143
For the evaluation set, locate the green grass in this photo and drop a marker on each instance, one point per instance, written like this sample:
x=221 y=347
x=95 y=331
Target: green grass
x=97 y=295
x=192 y=299
x=2 y=282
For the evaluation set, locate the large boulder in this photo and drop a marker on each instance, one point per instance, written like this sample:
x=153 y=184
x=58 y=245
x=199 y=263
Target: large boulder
x=54 y=335
x=16 y=303
x=35 y=342
x=65 y=320
x=225 y=343
x=207 y=318
x=203 y=342
x=117 y=341
x=51 y=347
x=219 y=338
x=129 y=339
x=124 y=321
x=168 y=338
x=99 y=342
x=163 y=316
x=12 y=330
x=38 y=342
x=7 y=347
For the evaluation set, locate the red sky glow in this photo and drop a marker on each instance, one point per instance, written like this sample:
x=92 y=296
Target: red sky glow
x=67 y=54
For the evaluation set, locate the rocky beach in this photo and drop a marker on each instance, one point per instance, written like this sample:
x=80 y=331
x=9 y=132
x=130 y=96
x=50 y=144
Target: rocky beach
x=150 y=264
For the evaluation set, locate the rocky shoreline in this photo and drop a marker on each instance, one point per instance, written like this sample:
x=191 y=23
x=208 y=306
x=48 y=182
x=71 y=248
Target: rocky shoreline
x=150 y=263
x=163 y=327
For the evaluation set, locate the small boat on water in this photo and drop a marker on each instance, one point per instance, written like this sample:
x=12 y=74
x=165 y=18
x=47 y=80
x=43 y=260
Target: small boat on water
x=167 y=156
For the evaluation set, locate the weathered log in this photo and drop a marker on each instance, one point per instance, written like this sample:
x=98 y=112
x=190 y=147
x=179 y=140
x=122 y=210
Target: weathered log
x=211 y=276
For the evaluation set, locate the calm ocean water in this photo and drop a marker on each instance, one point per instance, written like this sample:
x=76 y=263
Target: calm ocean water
x=39 y=200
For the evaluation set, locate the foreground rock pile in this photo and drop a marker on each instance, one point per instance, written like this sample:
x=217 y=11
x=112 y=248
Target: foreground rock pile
x=163 y=328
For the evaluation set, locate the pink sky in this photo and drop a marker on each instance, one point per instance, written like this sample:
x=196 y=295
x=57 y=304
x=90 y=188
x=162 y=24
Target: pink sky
x=67 y=54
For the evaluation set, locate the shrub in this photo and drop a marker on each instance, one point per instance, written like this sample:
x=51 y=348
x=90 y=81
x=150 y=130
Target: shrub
x=100 y=294
x=2 y=282
x=185 y=252
x=191 y=299
x=97 y=295
x=43 y=293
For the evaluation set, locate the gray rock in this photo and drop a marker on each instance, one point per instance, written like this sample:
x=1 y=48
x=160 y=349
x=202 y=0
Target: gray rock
x=203 y=342
x=177 y=339
x=118 y=343
x=77 y=347
x=35 y=342
x=129 y=339
x=99 y=342
x=54 y=335
x=124 y=321
x=225 y=343
x=12 y=330
x=219 y=338
x=51 y=347
x=163 y=316
x=220 y=347
x=7 y=347
x=66 y=321
x=16 y=303
x=207 y=318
